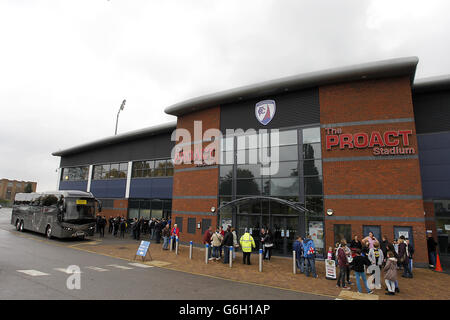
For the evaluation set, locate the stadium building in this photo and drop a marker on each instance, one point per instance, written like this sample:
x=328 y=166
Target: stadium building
x=360 y=148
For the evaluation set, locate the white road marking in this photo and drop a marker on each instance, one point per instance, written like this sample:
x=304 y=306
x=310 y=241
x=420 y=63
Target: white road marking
x=119 y=266
x=140 y=265
x=97 y=269
x=65 y=270
x=33 y=273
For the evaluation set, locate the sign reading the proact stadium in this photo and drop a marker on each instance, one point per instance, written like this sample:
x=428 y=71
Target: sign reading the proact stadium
x=382 y=143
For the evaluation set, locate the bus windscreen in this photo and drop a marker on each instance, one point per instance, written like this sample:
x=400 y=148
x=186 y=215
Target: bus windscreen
x=79 y=210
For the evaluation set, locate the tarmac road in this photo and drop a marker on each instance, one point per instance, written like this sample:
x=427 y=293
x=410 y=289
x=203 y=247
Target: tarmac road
x=32 y=267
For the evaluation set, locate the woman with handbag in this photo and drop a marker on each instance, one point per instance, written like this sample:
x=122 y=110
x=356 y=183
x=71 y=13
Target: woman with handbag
x=268 y=245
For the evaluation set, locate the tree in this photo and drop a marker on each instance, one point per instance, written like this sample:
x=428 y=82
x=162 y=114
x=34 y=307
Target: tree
x=28 y=188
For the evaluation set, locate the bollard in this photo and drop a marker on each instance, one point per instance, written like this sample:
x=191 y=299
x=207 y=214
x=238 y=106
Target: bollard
x=231 y=256
x=176 y=246
x=294 y=263
x=260 y=260
x=190 y=250
x=171 y=240
x=206 y=253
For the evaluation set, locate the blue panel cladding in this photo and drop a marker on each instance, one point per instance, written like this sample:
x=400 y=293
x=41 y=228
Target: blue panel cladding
x=162 y=188
x=140 y=188
x=109 y=188
x=151 y=188
x=73 y=185
x=434 y=157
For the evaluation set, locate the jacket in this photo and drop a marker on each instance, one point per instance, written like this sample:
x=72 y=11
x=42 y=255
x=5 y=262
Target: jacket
x=216 y=239
x=356 y=244
x=228 y=239
x=342 y=257
x=402 y=253
x=175 y=232
x=207 y=237
x=359 y=262
x=298 y=248
x=247 y=242
x=235 y=242
x=390 y=269
x=166 y=232
x=309 y=250
x=372 y=257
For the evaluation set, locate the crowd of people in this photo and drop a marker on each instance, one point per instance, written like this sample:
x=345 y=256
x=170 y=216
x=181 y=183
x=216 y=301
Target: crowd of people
x=359 y=255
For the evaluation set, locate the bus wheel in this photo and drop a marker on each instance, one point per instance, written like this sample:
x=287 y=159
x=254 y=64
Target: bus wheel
x=48 y=232
x=21 y=226
x=18 y=225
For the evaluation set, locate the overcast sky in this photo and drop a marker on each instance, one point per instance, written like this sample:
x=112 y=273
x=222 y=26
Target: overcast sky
x=66 y=66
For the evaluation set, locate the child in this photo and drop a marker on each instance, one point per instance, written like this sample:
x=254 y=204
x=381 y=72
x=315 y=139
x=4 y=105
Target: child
x=358 y=264
x=330 y=255
x=376 y=257
x=390 y=274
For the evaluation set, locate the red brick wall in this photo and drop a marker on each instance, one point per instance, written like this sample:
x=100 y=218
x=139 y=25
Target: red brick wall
x=364 y=101
x=196 y=183
x=430 y=223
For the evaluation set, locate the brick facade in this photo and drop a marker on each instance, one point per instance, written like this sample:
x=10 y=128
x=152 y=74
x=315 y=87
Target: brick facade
x=194 y=188
x=386 y=191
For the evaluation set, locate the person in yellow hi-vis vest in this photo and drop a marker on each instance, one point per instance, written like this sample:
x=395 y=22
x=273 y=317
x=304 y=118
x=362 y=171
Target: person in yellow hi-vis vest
x=247 y=243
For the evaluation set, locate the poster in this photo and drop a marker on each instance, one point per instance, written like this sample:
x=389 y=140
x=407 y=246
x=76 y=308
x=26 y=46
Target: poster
x=403 y=233
x=143 y=248
x=316 y=232
x=330 y=269
x=226 y=223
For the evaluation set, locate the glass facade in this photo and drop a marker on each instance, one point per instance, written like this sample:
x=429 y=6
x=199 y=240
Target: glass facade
x=152 y=168
x=75 y=173
x=442 y=215
x=110 y=171
x=286 y=165
x=149 y=208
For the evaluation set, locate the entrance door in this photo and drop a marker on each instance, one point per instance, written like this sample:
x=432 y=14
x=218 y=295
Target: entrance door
x=404 y=231
x=284 y=229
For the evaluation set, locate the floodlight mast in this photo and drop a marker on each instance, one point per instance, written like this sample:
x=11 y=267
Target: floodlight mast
x=120 y=109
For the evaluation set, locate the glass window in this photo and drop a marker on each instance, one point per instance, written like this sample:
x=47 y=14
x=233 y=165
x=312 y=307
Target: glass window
x=227 y=144
x=280 y=208
x=248 y=186
x=285 y=153
x=313 y=185
x=160 y=168
x=284 y=187
x=285 y=138
x=227 y=157
x=312 y=151
x=114 y=171
x=157 y=209
x=248 y=171
x=311 y=135
x=123 y=170
x=247 y=141
x=314 y=204
x=225 y=186
x=226 y=171
x=105 y=171
x=247 y=156
x=312 y=167
x=250 y=206
x=97 y=172
x=286 y=169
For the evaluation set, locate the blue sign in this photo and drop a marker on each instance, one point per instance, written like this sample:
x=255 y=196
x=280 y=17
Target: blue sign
x=143 y=248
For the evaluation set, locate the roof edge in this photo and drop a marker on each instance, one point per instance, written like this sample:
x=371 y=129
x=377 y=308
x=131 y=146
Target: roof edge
x=123 y=137
x=372 y=70
x=431 y=84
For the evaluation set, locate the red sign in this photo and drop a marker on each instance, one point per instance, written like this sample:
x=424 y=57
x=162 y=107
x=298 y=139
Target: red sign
x=383 y=143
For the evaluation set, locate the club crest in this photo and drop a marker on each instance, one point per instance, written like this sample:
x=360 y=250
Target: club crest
x=265 y=111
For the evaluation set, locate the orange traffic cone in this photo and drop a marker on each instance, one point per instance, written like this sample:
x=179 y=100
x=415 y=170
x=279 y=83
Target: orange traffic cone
x=438 y=264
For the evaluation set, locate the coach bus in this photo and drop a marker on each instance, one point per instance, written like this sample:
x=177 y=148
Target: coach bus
x=59 y=214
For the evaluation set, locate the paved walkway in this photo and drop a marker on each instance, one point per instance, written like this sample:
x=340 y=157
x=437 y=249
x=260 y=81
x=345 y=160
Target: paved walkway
x=426 y=284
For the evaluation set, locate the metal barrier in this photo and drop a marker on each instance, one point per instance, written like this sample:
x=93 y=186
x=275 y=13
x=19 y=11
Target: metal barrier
x=206 y=253
x=231 y=256
x=176 y=246
x=171 y=242
x=260 y=260
x=294 y=263
x=190 y=250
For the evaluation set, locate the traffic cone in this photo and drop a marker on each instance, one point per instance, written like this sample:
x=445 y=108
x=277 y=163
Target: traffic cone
x=438 y=264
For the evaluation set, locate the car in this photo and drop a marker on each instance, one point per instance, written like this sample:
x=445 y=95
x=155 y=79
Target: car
x=0 y=206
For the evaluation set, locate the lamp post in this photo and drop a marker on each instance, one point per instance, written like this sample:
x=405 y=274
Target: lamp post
x=121 y=108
